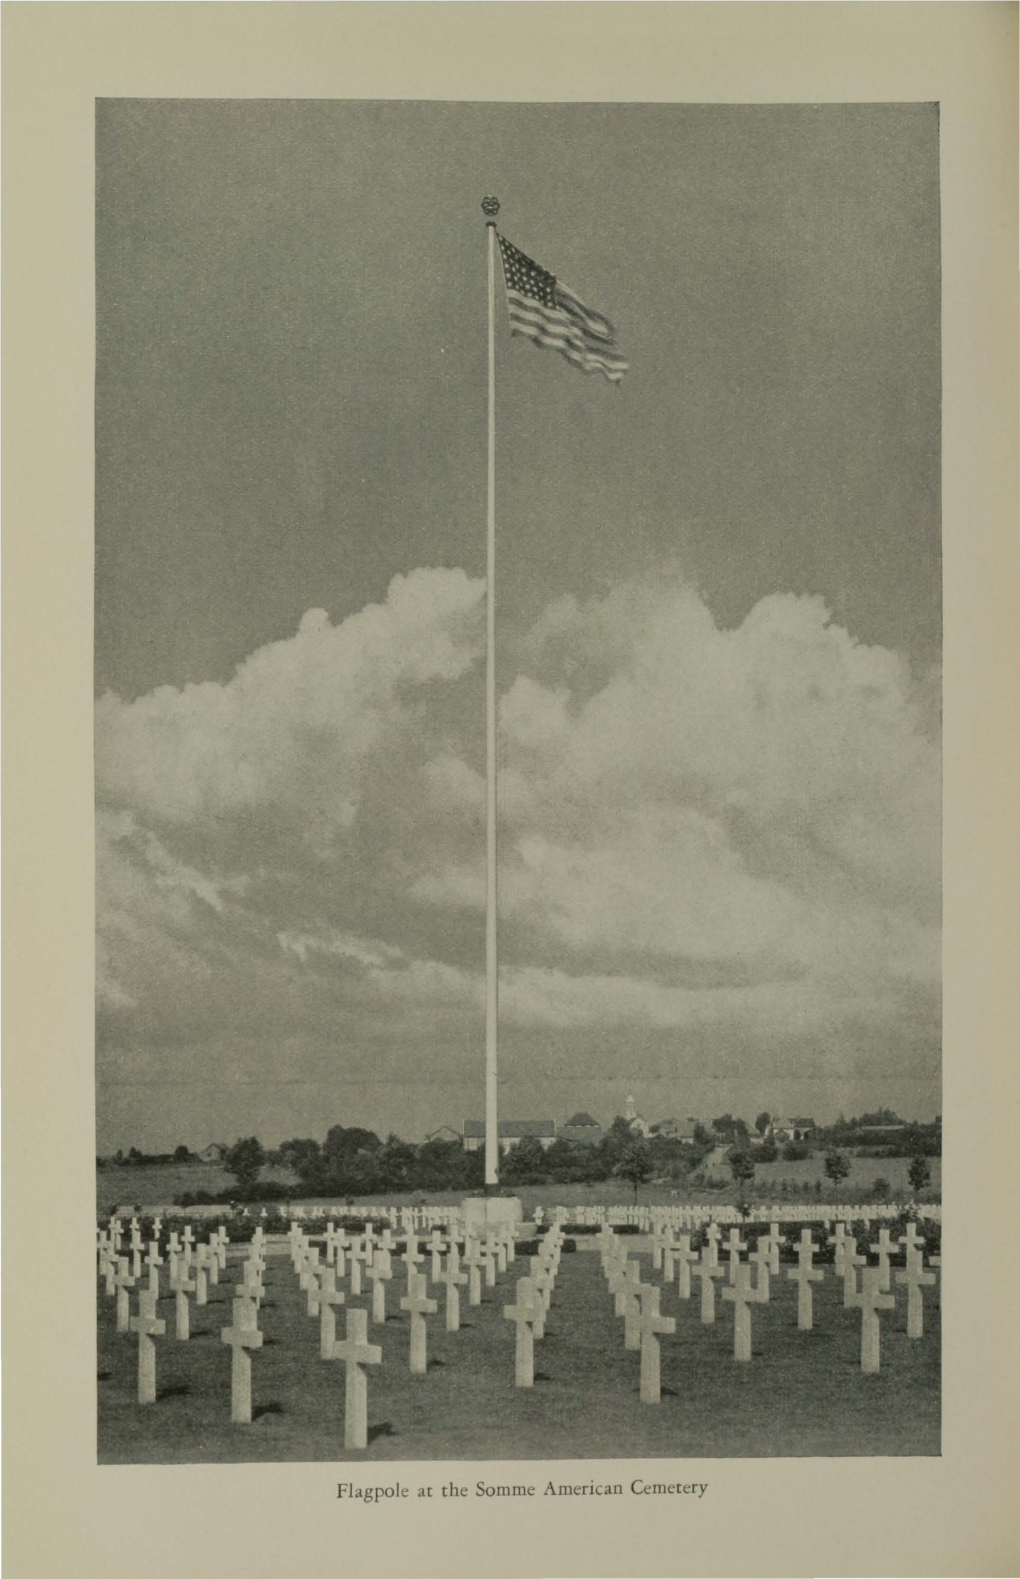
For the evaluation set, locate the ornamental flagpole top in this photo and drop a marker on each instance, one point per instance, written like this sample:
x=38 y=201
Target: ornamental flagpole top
x=490 y=208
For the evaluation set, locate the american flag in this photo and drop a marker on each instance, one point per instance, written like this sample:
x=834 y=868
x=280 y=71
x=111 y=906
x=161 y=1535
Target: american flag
x=545 y=310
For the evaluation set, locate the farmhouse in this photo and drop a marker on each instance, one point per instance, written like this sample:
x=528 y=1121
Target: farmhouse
x=510 y=1132
x=782 y=1130
x=214 y=1152
x=675 y=1129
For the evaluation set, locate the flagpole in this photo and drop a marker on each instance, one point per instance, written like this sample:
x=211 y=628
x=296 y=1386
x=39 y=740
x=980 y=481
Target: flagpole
x=490 y=207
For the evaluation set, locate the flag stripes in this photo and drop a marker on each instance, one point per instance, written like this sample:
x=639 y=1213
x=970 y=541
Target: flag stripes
x=546 y=311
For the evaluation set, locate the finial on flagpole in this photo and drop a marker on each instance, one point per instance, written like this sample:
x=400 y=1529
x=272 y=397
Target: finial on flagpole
x=490 y=208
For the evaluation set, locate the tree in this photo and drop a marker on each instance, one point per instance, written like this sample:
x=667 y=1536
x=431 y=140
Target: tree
x=729 y=1127
x=397 y=1164
x=768 y=1151
x=919 y=1173
x=634 y=1166
x=181 y=1154
x=882 y=1115
x=837 y=1166
x=244 y=1160
x=741 y=1166
x=524 y=1163
x=762 y=1122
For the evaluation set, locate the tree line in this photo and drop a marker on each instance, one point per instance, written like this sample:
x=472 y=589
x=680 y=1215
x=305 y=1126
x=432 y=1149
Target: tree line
x=354 y=1162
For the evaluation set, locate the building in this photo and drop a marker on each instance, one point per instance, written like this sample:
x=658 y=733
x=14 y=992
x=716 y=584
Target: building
x=214 y=1152
x=444 y=1133
x=636 y=1122
x=510 y=1132
x=582 y=1129
x=782 y=1130
x=677 y=1129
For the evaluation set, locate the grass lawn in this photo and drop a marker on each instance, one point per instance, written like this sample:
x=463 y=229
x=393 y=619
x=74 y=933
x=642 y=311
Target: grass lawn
x=802 y=1394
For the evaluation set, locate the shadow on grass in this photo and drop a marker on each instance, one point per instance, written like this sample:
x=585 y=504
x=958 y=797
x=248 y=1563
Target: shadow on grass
x=104 y=1376
x=435 y=1365
x=385 y=1429
x=266 y=1409
x=178 y=1390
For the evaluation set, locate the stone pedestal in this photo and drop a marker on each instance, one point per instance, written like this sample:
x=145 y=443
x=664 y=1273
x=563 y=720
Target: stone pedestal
x=483 y=1211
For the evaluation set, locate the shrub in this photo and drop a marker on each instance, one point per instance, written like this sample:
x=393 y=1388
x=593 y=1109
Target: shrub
x=530 y=1247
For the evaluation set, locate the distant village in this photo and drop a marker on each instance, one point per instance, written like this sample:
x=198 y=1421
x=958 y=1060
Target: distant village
x=881 y=1131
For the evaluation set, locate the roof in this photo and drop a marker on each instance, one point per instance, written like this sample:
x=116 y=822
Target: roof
x=444 y=1132
x=512 y=1128
x=804 y=1123
x=580 y=1120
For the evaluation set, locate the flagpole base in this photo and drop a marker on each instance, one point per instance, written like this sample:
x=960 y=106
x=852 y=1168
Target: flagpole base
x=485 y=1211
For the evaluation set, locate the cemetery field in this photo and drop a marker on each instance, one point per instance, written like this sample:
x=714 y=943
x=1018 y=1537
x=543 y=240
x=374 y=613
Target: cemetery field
x=803 y=1393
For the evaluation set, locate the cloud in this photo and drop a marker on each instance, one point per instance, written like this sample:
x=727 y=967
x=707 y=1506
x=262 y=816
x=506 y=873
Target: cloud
x=298 y=720
x=730 y=834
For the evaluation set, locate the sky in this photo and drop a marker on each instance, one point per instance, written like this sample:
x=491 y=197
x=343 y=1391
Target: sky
x=718 y=609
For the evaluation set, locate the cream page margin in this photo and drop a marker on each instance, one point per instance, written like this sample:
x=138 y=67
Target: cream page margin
x=68 y=1519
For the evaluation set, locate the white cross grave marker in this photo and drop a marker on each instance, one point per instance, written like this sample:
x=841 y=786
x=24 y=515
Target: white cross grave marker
x=884 y=1249
x=915 y=1278
x=804 y=1275
x=453 y=1278
x=241 y=1336
x=181 y=1285
x=734 y=1245
x=435 y=1249
x=123 y=1282
x=851 y=1261
x=708 y=1272
x=147 y=1327
x=743 y=1297
x=419 y=1306
x=329 y=1297
x=528 y=1312
x=649 y=1325
x=356 y=1352
x=380 y=1274
x=474 y=1260
x=871 y=1300
x=685 y=1258
x=763 y=1260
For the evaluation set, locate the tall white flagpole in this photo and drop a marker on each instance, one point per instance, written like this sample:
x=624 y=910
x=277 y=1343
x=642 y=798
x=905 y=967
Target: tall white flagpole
x=490 y=207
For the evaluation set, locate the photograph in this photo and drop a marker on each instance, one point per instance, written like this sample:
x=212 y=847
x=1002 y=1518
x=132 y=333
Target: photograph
x=518 y=761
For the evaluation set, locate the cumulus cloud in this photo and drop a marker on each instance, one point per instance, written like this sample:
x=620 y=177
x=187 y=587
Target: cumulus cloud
x=727 y=832
x=300 y=717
